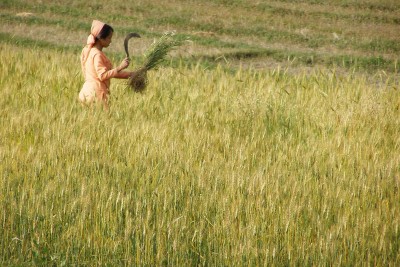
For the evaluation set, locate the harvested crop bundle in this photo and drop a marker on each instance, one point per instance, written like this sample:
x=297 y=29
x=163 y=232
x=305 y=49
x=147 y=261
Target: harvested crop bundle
x=154 y=55
x=138 y=81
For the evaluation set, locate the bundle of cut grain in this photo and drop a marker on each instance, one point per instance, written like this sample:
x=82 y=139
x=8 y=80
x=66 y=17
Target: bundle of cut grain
x=154 y=55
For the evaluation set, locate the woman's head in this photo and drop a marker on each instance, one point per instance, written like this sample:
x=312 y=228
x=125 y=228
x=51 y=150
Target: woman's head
x=105 y=32
x=105 y=35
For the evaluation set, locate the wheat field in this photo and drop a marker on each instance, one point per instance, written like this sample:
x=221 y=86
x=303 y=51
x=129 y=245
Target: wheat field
x=207 y=167
x=270 y=138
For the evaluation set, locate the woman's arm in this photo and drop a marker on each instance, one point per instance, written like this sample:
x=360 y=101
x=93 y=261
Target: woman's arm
x=128 y=74
x=101 y=69
x=123 y=74
x=104 y=74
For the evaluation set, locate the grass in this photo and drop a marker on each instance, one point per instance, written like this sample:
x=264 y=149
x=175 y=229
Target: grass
x=220 y=162
x=362 y=31
x=206 y=168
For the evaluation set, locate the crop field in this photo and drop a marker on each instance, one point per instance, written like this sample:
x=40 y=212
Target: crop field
x=270 y=138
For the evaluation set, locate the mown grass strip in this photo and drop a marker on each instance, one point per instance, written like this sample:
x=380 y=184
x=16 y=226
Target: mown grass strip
x=315 y=40
x=72 y=25
x=357 y=17
x=368 y=63
x=371 y=63
x=368 y=5
x=273 y=9
x=31 y=43
x=84 y=26
x=270 y=35
x=36 y=20
x=25 y=42
x=42 y=8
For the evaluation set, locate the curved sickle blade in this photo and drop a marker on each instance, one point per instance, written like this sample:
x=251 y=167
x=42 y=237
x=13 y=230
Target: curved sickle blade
x=129 y=36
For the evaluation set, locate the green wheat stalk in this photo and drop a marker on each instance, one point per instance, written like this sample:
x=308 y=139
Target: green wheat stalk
x=159 y=49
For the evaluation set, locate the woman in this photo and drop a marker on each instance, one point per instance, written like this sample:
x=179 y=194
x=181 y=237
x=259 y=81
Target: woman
x=97 y=68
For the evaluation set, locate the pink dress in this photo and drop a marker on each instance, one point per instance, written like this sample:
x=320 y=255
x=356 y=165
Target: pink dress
x=97 y=71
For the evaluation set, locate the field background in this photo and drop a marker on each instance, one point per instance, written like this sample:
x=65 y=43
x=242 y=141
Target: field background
x=270 y=138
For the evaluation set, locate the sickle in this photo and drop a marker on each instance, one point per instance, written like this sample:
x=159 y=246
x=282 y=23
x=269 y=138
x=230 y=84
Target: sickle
x=129 y=36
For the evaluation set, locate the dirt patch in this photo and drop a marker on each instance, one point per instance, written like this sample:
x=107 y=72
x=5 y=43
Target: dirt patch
x=24 y=14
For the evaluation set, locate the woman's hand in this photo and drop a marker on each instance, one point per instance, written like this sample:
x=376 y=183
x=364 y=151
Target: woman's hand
x=124 y=64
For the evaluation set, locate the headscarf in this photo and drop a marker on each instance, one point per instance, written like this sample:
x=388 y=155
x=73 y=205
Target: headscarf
x=97 y=26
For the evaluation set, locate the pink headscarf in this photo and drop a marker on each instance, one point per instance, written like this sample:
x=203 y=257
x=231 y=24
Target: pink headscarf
x=97 y=26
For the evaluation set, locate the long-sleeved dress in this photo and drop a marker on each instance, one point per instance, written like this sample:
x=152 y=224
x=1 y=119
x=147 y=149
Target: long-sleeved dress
x=97 y=71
